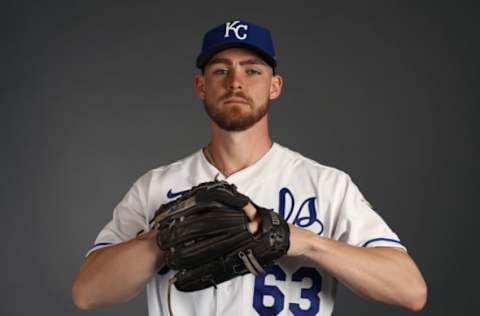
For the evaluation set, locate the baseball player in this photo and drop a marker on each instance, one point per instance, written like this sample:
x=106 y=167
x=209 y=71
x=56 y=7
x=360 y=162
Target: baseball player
x=335 y=235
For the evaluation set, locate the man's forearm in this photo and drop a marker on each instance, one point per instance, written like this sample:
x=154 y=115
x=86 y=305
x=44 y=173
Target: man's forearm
x=383 y=274
x=116 y=274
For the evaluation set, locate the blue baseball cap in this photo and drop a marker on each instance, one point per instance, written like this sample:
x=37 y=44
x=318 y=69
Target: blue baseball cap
x=237 y=34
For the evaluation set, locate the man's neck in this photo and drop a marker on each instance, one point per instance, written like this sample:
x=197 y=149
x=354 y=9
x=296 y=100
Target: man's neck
x=231 y=152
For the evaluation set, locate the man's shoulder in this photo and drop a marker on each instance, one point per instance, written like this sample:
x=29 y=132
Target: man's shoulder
x=180 y=168
x=300 y=161
x=178 y=165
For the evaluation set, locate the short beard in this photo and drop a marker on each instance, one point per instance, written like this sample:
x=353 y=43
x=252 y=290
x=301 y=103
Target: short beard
x=232 y=120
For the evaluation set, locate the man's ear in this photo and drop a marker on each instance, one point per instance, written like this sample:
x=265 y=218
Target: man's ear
x=200 y=86
x=276 y=87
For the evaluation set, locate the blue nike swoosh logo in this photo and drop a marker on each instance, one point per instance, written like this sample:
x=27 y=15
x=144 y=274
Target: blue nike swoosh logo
x=172 y=195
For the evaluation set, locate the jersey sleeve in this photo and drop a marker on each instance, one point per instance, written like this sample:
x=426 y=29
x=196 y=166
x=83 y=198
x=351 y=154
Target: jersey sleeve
x=357 y=223
x=128 y=219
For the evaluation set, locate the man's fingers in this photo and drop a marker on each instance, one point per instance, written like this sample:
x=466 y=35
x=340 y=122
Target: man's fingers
x=251 y=211
x=253 y=227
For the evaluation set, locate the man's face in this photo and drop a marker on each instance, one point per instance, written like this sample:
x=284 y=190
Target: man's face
x=236 y=88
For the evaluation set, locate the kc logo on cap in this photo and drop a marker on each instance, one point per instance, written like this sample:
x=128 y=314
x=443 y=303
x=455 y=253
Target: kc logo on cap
x=237 y=33
x=235 y=26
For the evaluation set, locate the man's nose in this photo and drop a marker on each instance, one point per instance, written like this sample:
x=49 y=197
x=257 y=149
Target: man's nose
x=235 y=81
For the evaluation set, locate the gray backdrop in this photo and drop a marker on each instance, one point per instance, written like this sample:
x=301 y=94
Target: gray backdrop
x=95 y=93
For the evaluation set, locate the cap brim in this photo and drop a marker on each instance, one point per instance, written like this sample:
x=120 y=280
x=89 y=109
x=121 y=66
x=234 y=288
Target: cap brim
x=204 y=58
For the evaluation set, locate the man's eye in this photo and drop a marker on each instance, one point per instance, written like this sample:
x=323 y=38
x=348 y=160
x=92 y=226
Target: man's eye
x=253 y=72
x=220 y=71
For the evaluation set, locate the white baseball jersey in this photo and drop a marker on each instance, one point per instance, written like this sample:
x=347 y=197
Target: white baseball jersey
x=315 y=197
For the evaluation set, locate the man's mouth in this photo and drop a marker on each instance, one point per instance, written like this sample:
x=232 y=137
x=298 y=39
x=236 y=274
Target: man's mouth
x=236 y=100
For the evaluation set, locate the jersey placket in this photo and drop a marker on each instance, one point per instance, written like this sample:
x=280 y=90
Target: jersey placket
x=228 y=294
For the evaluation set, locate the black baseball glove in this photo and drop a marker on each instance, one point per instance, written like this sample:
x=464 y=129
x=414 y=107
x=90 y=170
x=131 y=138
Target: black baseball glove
x=206 y=237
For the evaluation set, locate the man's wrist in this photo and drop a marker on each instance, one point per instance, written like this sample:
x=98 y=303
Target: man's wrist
x=301 y=241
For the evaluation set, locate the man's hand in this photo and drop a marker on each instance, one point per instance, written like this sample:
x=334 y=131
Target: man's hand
x=213 y=233
x=254 y=219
